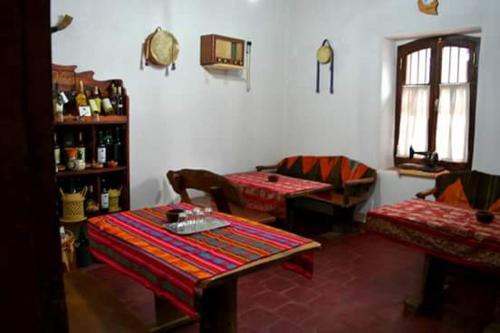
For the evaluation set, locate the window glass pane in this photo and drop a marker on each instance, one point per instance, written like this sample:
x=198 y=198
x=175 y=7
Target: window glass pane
x=414 y=119
x=452 y=133
x=414 y=68
x=418 y=67
x=445 y=65
x=462 y=66
x=454 y=64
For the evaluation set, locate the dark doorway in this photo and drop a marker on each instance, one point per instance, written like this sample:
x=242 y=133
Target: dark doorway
x=33 y=296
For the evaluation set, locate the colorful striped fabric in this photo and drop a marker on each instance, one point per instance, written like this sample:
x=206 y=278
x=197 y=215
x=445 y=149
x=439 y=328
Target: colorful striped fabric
x=173 y=266
x=443 y=230
x=270 y=197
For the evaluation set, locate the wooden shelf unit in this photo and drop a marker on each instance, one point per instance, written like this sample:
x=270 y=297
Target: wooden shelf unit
x=67 y=78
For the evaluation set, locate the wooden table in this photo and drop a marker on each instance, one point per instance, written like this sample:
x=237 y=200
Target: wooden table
x=446 y=234
x=271 y=197
x=197 y=273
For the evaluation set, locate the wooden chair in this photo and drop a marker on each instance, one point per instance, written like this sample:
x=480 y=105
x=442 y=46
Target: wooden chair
x=225 y=195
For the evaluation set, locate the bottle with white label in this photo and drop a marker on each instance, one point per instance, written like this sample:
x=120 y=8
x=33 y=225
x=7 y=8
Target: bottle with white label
x=101 y=149
x=104 y=196
x=81 y=147
x=57 y=151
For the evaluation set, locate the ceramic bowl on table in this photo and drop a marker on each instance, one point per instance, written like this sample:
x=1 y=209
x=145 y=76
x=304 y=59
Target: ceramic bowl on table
x=272 y=178
x=484 y=216
x=173 y=215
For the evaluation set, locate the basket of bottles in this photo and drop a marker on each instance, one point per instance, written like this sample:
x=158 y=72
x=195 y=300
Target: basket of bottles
x=72 y=206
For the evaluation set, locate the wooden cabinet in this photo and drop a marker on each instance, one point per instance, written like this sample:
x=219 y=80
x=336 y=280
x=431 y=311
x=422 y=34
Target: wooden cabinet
x=71 y=126
x=221 y=52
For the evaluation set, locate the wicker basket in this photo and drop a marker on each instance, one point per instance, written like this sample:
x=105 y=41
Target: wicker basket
x=114 y=200
x=73 y=209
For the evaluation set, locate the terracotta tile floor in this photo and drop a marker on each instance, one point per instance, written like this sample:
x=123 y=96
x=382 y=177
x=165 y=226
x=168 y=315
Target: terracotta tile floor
x=359 y=284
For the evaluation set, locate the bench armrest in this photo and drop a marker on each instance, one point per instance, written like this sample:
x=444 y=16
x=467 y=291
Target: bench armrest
x=266 y=167
x=424 y=194
x=357 y=182
x=351 y=185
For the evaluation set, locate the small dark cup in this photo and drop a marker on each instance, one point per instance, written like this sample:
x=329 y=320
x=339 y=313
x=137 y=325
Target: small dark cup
x=272 y=178
x=484 y=216
x=173 y=215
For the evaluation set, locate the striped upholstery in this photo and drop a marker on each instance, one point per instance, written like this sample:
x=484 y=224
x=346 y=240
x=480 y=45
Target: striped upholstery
x=469 y=189
x=327 y=169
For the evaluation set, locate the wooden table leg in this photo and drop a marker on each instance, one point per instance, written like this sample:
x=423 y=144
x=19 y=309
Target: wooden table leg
x=431 y=297
x=168 y=316
x=290 y=214
x=218 y=307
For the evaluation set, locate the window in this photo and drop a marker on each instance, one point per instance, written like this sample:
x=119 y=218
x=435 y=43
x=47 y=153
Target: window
x=436 y=100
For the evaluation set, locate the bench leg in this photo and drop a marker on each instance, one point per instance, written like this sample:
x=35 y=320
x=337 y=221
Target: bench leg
x=290 y=214
x=218 y=308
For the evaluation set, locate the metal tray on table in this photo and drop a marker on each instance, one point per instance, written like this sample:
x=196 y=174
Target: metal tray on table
x=192 y=227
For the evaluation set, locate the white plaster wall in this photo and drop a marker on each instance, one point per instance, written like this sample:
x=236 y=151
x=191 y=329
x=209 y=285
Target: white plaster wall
x=192 y=118
x=357 y=120
x=197 y=119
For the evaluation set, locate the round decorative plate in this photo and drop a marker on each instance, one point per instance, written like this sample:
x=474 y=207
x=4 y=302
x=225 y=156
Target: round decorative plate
x=428 y=6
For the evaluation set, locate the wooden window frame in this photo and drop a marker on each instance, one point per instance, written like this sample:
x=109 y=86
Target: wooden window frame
x=436 y=45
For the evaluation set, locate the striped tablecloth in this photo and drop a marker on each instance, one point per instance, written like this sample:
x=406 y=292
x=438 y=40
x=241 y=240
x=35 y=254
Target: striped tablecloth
x=450 y=232
x=173 y=266
x=270 y=197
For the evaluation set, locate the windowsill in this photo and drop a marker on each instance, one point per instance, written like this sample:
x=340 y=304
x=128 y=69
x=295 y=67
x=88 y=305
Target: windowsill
x=418 y=173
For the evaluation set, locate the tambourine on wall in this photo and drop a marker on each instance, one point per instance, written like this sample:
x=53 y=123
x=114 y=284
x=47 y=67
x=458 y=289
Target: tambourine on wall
x=160 y=49
x=324 y=56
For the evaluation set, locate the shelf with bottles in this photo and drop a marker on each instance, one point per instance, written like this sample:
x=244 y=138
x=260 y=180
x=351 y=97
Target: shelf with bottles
x=103 y=194
x=89 y=150
x=91 y=132
x=79 y=98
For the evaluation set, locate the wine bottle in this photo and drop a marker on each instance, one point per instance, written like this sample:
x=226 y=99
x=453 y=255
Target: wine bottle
x=104 y=196
x=96 y=102
x=119 y=101
x=117 y=147
x=57 y=151
x=101 y=149
x=80 y=98
x=81 y=147
x=114 y=97
x=57 y=101
x=90 y=203
x=72 y=188
x=108 y=143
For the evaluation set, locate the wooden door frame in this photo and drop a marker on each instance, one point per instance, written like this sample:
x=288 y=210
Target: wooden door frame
x=30 y=248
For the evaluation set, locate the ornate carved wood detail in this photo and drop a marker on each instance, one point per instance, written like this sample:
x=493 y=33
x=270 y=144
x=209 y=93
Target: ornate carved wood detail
x=67 y=78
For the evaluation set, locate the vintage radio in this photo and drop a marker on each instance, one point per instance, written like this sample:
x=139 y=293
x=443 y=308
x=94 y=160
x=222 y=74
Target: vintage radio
x=221 y=52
